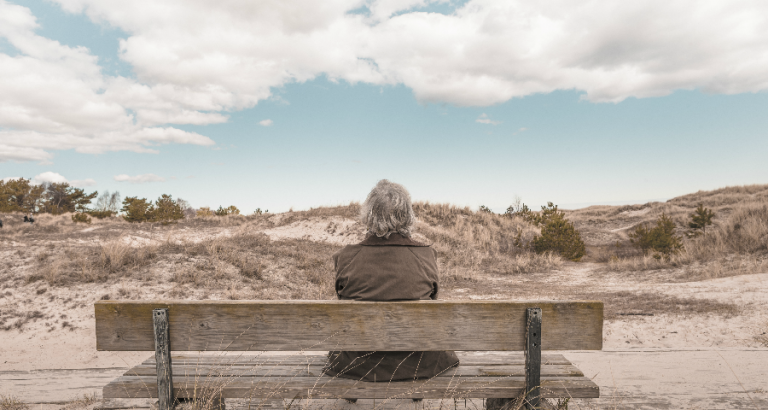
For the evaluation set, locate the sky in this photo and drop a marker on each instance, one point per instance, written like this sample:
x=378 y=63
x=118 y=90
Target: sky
x=280 y=104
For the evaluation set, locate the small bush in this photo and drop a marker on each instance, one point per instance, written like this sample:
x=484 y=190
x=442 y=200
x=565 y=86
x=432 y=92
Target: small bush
x=204 y=211
x=661 y=238
x=167 y=211
x=231 y=210
x=100 y=214
x=559 y=235
x=12 y=403
x=137 y=210
x=700 y=218
x=81 y=217
x=485 y=209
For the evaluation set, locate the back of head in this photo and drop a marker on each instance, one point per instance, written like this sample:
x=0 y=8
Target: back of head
x=388 y=210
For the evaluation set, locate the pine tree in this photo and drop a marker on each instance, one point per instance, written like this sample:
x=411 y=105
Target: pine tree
x=661 y=238
x=137 y=210
x=700 y=218
x=167 y=211
x=557 y=233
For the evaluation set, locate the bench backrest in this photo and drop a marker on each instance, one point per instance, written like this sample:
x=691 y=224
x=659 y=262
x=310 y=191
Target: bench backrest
x=348 y=325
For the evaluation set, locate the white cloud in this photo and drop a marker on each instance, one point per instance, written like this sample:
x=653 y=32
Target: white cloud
x=82 y=183
x=265 y=123
x=139 y=179
x=56 y=178
x=52 y=177
x=54 y=97
x=197 y=61
x=483 y=119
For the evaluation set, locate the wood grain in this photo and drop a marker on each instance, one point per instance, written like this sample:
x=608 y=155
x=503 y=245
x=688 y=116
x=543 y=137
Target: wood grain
x=348 y=325
x=315 y=370
x=250 y=359
x=533 y=371
x=327 y=387
x=163 y=366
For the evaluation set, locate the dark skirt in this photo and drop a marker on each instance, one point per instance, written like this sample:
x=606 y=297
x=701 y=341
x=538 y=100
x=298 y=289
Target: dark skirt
x=389 y=366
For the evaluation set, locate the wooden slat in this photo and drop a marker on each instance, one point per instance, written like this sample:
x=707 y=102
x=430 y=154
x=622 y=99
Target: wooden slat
x=348 y=325
x=326 y=387
x=315 y=370
x=466 y=358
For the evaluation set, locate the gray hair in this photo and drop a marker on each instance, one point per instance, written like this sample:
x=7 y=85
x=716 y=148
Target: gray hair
x=388 y=210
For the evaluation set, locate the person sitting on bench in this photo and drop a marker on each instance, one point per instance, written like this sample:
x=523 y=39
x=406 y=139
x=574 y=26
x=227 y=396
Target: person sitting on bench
x=387 y=266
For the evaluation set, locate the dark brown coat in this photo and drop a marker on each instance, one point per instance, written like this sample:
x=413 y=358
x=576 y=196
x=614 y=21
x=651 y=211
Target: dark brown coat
x=379 y=269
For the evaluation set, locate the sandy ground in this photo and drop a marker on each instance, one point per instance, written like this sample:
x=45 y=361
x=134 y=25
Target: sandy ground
x=669 y=361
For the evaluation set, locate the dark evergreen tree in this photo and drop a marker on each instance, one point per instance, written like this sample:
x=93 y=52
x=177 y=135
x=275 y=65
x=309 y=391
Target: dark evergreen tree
x=137 y=210
x=661 y=238
x=700 y=218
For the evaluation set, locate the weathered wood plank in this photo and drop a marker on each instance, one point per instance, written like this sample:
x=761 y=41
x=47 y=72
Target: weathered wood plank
x=348 y=325
x=163 y=359
x=466 y=358
x=326 y=387
x=315 y=370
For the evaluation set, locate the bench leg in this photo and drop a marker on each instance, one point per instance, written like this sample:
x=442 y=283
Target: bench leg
x=165 y=397
x=533 y=358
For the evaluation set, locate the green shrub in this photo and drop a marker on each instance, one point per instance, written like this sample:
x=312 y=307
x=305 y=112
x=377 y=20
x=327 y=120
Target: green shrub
x=485 y=209
x=204 y=211
x=167 y=211
x=81 y=217
x=520 y=209
x=231 y=210
x=557 y=233
x=700 y=218
x=137 y=210
x=661 y=238
x=100 y=214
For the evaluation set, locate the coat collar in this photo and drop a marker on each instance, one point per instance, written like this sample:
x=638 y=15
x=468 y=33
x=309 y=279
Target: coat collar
x=395 y=239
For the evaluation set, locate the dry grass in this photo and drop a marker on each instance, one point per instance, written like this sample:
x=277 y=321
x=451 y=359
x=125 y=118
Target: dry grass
x=81 y=402
x=736 y=246
x=247 y=264
x=12 y=318
x=469 y=243
x=12 y=403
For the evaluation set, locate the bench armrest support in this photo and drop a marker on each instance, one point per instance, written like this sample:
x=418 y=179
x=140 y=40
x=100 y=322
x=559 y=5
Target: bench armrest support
x=533 y=357
x=163 y=359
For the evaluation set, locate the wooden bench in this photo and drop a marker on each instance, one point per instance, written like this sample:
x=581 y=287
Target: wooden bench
x=307 y=326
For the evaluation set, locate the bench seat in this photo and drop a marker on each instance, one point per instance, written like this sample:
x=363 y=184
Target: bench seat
x=480 y=375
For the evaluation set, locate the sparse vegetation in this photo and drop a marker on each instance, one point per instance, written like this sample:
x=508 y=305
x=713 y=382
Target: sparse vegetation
x=700 y=218
x=20 y=195
x=12 y=403
x=660 y=239
x=108 y=204
x=230 y=210
x=165 y=210
x=557 y=234
x=204 y=212
x=137 y=210
x=81 y=217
